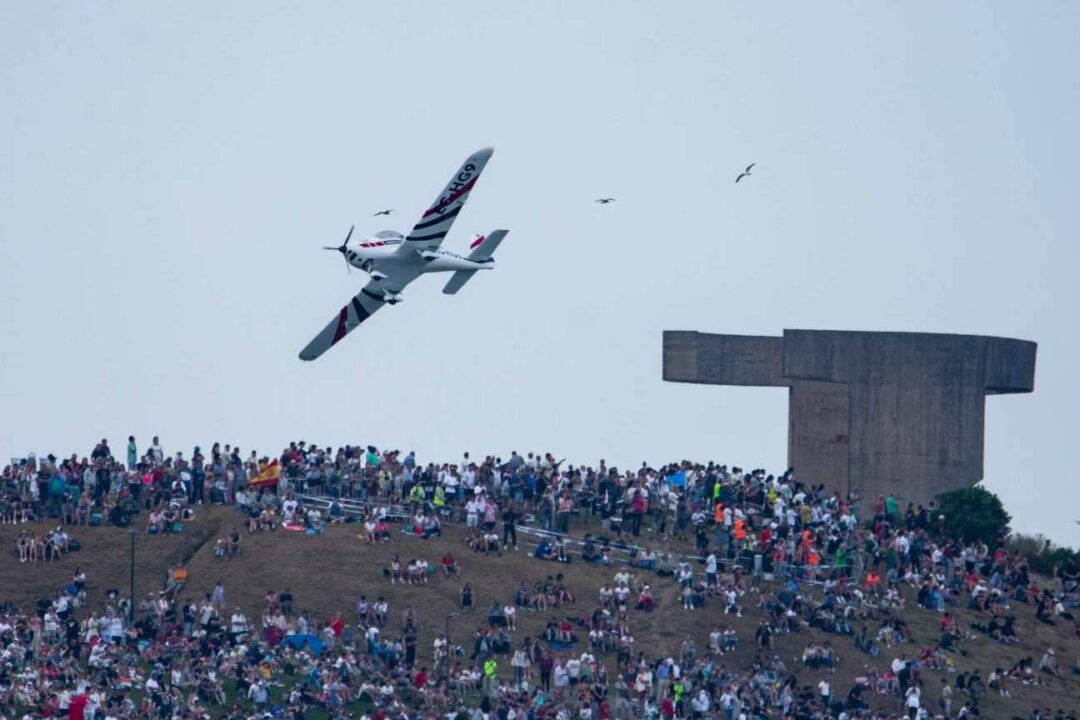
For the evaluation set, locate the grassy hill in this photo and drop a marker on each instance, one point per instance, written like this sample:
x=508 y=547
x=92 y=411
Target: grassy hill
x=327 y=573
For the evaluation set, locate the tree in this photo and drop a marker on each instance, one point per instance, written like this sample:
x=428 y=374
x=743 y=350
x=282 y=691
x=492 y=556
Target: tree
x=974 y=513
x=1042 y=555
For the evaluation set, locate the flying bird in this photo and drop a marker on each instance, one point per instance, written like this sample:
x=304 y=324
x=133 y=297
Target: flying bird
x=382 y=212
x=605 y=201
x=745 y=173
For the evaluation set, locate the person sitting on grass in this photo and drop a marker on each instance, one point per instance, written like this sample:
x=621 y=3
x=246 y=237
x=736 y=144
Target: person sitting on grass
x=544 y=551
x=432 y=527
x=416 y=527
x=394 y=571
x=645 y=599
x=1048 y=664
x=253 y=519
x=369 y=528
x=267 y=520
x=562 y=594
x=170 y=519
x=336 y=513
x=589 y=552
x=538 y=598
x=564 y=634
x=686 y=596
x=379 y=611
x=450 y=566
x=417 y=572
x=313 y=520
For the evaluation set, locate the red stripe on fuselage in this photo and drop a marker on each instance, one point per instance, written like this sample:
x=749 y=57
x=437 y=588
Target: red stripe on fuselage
x=453 y=196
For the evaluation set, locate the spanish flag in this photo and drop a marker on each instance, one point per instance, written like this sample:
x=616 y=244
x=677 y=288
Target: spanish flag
x=268 y=475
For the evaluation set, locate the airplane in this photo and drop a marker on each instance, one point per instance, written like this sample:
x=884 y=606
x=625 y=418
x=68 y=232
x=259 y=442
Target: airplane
x=393 y=260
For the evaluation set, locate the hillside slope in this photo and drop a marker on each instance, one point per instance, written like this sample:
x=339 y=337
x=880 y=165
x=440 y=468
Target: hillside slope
x=327 y=573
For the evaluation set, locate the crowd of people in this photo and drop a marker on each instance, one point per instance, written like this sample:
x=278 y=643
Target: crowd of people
x=739 y=542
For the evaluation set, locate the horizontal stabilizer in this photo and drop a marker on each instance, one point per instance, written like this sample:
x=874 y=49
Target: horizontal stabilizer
x=480 y=251
x=458 y=279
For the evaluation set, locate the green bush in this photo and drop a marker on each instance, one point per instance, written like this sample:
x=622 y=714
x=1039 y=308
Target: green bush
x=1041 y=554
x=974 y=513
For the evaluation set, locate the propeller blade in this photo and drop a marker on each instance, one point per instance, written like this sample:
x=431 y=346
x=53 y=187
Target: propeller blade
x=348 y=265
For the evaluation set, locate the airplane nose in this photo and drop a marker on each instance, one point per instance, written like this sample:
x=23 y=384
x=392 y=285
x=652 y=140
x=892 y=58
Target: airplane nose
x=343 y=248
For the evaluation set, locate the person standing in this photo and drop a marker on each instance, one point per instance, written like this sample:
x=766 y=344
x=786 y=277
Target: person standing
x=132 y=453
x=946 y=698
x=510 y=518
x=913 y=702
x=490 y=669
x=410 y=648
x=547 y=664
x=198 y=477
x=637 y=509
x=217 y=598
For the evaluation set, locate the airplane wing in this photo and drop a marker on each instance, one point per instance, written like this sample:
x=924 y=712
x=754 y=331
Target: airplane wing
x=365 y=304
x=437 y=219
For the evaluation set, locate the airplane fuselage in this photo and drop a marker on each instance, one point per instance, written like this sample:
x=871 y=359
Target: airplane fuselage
x=385 y=251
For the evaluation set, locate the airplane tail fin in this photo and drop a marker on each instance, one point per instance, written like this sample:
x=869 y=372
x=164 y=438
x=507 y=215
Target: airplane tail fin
x=481 y=250
x=483 y=247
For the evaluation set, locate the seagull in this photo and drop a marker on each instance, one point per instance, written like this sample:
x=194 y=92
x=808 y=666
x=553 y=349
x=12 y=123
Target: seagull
x=605 y=201
x=745 y=173
x=382 y=212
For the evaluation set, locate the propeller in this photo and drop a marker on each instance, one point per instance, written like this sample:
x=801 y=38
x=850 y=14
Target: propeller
x=343 y=248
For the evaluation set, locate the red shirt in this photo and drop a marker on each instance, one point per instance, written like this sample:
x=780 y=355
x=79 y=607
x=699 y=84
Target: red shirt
x=420 y=680
x=338 y=626
x=77 y=706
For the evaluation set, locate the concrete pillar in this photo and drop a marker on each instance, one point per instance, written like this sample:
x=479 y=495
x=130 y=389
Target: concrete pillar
x=879 y=413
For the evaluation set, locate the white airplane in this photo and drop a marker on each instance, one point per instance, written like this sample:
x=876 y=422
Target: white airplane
x=393 y=260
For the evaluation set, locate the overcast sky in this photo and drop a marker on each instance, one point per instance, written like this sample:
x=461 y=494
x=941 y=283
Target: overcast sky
x=168 y=172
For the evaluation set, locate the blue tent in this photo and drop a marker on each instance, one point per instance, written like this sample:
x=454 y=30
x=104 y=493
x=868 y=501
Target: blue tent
x=314 y=643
